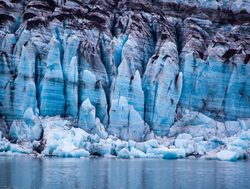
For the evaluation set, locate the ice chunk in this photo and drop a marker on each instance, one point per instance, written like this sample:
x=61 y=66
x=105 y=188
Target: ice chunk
x=123 y=154
x=184 y=136
x=92 y=89
x=87 y=116
x=137 y=153
x=131 y=144
x=101 y=149
x=137 y=128
x=184 y=141
x=232 y=127
x=245 y=135
x=88 y=121
x=29 y=117
x=14 y=148
x=167 y=153
x=120 y=145
x=128 y=86
x=240 y=143
x=94 y=138
x=152 y=143
x=99 y=129
x=74 y=153
x=125 y=121
x=28 y=129
x=227 y=155
x=62 y=140
x=174 y=153
x=4 y=145
x=202 y=147
x=142 y=146
x=121 y=84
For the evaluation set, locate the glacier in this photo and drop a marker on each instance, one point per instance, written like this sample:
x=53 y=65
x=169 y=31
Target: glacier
x=125 y=79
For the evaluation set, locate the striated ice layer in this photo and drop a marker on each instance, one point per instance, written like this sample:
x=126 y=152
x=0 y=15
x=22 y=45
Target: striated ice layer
x=92 y=89
x=129 y=86
x=5 y=84
x=162 y=85
x=215 y=88
x=6 y=80
x=52 y=99
x=88 y=120
x=29 y=129
x=70 y=72
x=24 y=84
x=125 y=122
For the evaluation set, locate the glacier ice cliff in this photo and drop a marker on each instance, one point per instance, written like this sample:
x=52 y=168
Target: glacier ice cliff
x=132 y=70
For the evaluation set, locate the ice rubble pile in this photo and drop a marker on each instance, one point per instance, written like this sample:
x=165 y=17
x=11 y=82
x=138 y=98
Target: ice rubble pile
x=206 y=139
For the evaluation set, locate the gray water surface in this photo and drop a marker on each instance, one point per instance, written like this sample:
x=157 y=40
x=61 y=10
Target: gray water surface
x=57 y=173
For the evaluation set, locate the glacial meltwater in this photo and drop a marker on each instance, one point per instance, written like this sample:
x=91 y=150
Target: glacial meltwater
x=52 y=173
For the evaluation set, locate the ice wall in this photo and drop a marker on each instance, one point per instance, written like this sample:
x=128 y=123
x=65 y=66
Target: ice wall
x=136 y=63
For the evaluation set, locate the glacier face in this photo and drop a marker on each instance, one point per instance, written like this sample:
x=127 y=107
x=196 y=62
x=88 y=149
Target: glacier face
x=130 y=68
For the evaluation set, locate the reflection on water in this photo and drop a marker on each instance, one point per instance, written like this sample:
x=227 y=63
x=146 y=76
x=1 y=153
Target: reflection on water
x=27 y=172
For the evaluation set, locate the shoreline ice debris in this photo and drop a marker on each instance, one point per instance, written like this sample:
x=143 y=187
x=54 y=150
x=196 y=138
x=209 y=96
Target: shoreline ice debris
x=61 y=138
x=227 y=155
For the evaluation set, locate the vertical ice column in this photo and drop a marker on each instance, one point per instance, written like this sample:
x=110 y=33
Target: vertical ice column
x=116 y=49
x=127 y=105
x=17 y=51
x=88 y=121
x=137 y=50
x=121 y=84
x=87 y=115
x=92 y=88
x=119 y=115
x=128 y=86
x=125 y=121
x=136 y=96
x=5 y=74
x=70 y=73
x=24 y=84
x=162 y=86
x=28 y=129
x=5 y=78
x=52 y=101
